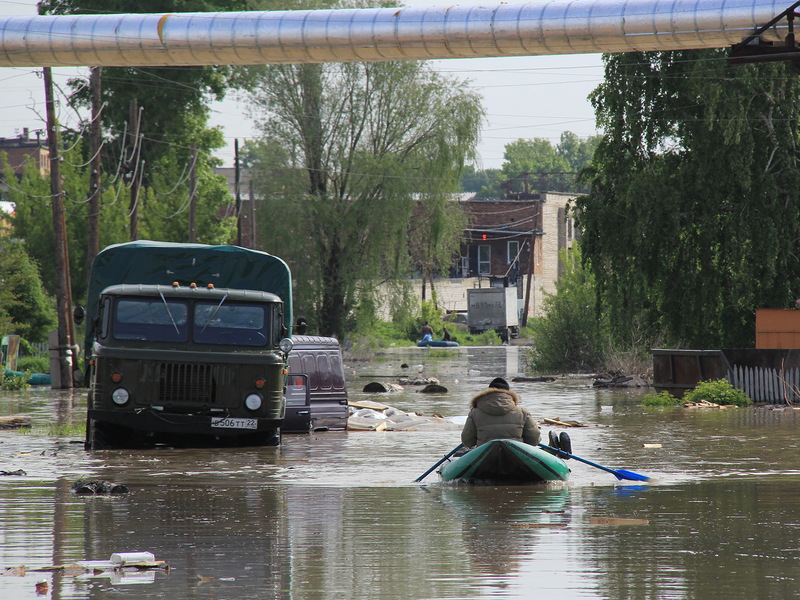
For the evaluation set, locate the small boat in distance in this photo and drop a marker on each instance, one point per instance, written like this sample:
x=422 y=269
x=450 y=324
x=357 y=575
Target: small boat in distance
x=437 y=343
x=505 y=462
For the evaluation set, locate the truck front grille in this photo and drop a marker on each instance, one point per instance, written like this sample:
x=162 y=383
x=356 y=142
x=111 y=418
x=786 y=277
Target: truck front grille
x=187 y=383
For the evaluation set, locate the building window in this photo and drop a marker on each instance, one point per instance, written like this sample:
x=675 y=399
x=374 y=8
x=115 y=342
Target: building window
x=513 y=250
x=484 y=260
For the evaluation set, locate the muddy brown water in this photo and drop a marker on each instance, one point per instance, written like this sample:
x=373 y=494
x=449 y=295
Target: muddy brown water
x=336 y=515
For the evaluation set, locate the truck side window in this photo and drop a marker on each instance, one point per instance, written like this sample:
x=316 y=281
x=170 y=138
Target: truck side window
x=277 y=323
x=105 y=312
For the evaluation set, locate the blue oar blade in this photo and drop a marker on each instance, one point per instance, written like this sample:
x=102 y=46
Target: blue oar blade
x=623 y=474
x=619 y=473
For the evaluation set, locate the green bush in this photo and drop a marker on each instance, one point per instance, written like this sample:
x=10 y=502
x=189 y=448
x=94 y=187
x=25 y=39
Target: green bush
x=569 y=338
x=662 y=399
x=718 y=391
x=13 y=382
x=34 y=364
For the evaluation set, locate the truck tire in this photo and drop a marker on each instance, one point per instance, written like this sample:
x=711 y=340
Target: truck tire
x=272 y=438
x=97 y=436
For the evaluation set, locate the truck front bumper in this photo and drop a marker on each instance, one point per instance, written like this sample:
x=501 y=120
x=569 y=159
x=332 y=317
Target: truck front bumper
x=155 y=421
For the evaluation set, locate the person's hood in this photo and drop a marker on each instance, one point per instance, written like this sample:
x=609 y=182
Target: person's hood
x=495 y=402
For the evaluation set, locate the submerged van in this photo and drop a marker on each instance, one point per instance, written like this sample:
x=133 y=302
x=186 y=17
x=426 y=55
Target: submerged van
x=316 y=395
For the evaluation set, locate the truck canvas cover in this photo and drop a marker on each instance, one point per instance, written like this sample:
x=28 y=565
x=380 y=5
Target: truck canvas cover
x=146 y=262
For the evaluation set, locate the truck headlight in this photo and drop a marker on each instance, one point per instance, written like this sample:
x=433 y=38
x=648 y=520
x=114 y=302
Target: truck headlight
x=120 y=396
x=286 y=345
x=253 y=401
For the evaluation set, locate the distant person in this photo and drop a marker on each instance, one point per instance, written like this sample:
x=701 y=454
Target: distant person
x=446 y=335
x=495 y=414
x=426 y=333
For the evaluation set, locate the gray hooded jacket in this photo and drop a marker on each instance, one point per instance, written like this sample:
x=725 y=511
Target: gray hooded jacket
x=496 y=414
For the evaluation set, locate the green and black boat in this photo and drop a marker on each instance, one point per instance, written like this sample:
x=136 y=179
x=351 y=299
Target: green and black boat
x=505 y=462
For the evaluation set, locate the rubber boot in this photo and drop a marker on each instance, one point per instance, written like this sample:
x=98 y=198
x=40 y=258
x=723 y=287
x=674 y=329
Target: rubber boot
x=565 y=444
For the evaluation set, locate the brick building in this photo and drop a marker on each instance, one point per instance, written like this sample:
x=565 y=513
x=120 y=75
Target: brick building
x=24 y=150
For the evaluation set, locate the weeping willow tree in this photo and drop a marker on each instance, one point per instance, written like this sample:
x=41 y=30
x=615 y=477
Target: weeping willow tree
x=349 y=153
x=694 y=212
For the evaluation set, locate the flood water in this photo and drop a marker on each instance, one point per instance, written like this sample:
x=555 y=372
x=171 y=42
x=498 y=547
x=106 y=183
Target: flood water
x=336 y=515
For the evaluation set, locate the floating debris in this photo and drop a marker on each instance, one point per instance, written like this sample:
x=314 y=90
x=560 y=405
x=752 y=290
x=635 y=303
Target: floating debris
x=121 y=568
x=380 y=417
x=18 y=472
x=376 y=387
x=616 y=521
x=533 y=379
x=622 y=381
x=15 y=422
x=433 y=388
x=419 y=381
x=98 y=487
x=705 y=404
x=559 y=423
x=368 y=404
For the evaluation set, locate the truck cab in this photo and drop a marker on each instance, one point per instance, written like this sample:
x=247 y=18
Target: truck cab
x=178 y=363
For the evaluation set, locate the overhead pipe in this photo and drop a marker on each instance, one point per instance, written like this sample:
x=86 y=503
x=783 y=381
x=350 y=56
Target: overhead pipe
x=339 y=35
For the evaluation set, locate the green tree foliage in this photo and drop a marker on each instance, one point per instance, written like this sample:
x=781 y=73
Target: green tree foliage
x=532 y=156
x=173 y=101
x=356 y=147
x=25 y=309
x=692 y=220
x=576 y=151
x=570 y=335
x=173 y=111
x=481 y=181
x=163 y=211
x=537 y=165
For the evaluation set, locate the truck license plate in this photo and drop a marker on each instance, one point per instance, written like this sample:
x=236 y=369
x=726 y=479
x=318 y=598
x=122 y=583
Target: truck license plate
x=229 y=423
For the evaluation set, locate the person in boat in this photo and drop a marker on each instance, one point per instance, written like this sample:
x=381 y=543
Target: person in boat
x=426 y=333
x=495 y=414
x=445 y=335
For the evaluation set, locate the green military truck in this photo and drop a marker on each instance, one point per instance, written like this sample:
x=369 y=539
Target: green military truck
x=186 y=345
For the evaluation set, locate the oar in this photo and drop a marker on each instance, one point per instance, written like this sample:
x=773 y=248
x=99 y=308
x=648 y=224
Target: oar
x=620 y=473
x=446 y=456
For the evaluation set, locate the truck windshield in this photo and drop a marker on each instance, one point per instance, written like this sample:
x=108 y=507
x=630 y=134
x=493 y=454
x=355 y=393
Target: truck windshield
x=231 y=324
x=155 y=320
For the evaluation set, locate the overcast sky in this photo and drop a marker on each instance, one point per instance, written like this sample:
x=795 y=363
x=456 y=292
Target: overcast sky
x=527 y=97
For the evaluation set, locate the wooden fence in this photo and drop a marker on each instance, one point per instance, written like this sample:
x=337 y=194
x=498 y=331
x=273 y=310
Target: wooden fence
x=765 y=375
x=776 y=386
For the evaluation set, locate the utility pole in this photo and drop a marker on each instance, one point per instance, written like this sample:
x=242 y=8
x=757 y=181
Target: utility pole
x=63 y=289
x=238 y=194
x=252 y=213
x=135 y=166
x=529 y=279
x=192 y=191
x=95 y=167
